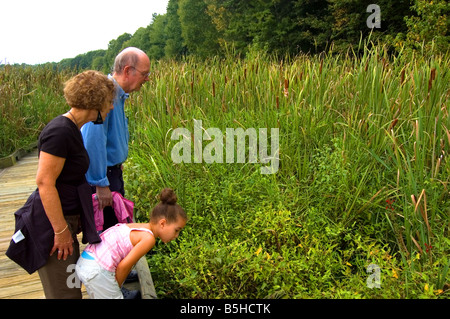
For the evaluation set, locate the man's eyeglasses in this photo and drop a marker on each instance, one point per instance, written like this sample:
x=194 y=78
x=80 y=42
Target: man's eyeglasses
x=144 y=74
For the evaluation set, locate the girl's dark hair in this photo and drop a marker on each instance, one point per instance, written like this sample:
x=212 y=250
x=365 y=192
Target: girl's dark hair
x=167 y=208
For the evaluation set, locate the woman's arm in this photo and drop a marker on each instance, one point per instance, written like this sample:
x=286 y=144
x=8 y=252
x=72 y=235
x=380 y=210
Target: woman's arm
x=49 y=168
x=146 y=242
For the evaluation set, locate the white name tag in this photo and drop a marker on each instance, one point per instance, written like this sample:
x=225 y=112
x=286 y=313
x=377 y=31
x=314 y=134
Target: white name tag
x=18 y=236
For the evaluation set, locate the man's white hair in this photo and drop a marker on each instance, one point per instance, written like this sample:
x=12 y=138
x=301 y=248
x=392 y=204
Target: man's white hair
x=128 y=56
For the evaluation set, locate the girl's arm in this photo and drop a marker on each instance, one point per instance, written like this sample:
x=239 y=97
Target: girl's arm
x=146 y=242
x=49 y=168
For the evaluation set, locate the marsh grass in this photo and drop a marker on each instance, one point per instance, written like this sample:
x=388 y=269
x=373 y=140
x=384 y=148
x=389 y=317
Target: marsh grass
x=363 y=175
x=29 y=98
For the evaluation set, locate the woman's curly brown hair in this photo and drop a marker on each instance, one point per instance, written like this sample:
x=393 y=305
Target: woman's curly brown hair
x=89 y=90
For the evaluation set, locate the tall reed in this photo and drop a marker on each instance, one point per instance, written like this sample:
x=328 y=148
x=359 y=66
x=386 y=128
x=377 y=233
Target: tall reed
x=29 y=98
x=363 y=176
x=367 y=132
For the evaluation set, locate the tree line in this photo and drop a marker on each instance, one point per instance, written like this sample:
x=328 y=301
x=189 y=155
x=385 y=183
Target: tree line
x=208 y=28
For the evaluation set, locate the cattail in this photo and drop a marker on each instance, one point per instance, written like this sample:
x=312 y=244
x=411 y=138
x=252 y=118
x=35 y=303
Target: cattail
x=402 y=77
x=224 y=107
x=432 y=77
x=417 y=130
x=321 y=65
x=286 y=87
x=278 y=103
x=214 y=89
x=437 y=166
x=394 y=122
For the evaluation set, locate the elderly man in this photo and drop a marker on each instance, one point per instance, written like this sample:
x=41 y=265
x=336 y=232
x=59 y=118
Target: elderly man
x=107 y=144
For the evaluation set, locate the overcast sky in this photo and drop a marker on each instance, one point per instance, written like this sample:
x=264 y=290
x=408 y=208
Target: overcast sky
x=39 y=31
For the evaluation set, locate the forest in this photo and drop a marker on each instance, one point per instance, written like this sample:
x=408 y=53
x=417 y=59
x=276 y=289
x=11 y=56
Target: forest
x=207 y=28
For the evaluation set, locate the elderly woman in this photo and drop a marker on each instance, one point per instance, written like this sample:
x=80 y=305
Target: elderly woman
x=62 y=204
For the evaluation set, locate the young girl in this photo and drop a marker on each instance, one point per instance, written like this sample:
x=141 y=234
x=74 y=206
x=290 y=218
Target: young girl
x=103 y=267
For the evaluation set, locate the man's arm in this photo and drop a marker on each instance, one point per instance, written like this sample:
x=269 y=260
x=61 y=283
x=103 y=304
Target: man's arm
x=94 y=138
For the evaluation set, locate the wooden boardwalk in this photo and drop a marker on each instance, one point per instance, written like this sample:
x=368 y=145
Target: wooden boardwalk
x=16 y=184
